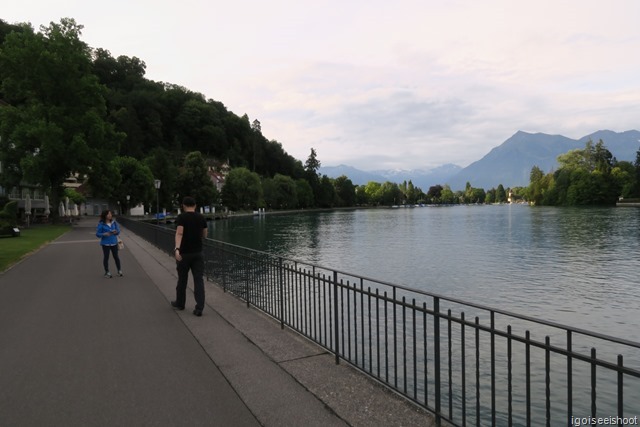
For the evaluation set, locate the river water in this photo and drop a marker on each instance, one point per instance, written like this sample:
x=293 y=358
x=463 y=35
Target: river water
x=575 y=266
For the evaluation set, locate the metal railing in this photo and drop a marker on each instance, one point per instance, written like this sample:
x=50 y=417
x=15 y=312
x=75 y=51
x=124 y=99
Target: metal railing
x=469 y=364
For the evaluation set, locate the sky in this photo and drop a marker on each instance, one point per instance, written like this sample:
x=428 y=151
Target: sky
x=408 y=84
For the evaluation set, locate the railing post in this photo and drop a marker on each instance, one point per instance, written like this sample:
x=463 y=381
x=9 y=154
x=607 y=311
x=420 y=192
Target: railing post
x=335 y=317
x=436 y=357
x=593 y=382
x=281 y=290
x=395 y=341
x=569 y=379
x=246 y=275
x=224 y=270
x=493 y=368
x=620 y=387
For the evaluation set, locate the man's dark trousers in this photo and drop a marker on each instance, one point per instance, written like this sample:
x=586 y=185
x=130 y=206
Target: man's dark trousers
x=195 y=263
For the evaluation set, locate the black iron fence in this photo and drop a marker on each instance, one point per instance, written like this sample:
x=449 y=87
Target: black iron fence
x=468 y=363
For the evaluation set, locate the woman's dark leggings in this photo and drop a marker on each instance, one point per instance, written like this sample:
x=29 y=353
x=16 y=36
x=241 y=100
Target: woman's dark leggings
x=105 y=260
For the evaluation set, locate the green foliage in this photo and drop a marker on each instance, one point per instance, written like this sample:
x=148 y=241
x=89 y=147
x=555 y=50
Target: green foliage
x=30 y=239
x=326 y=193
x=136 y=182
x=8 y=217
x=242 y=189
x=373 y=190
x=589 y=176
x=162 y=167
x=345 y=191
x=280 y=192
x=194 y=180
x=435 y=193
x=305 y=194
x=624 y=178
x=391 y=194
x=74 y=196
x=478 y=195
x=55 y=123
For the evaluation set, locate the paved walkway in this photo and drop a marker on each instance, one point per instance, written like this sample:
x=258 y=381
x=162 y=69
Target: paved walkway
x=80 y=350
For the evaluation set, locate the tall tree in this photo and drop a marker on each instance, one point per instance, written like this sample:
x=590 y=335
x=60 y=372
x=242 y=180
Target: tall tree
x=242 y=189
x=311 y=167
x=345 y=191
x=162 y=167
x=312 y=164
x=137 y=182
x=194 y=181
x=55 y=124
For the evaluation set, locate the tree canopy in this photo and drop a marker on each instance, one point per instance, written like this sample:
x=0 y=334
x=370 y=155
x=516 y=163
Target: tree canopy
x=56 y=122
x=71 y=110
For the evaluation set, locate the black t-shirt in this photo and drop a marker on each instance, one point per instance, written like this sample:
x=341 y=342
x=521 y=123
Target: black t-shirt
x=192 y=223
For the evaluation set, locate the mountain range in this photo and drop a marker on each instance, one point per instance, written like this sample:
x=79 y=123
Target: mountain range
x=508 y=164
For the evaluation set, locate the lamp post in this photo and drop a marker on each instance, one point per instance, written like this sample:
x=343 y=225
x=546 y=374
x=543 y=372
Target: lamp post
x=128 y=197
x=156 y=183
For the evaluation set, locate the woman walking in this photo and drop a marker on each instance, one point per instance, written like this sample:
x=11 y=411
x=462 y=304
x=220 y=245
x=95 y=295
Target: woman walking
x=108 y=230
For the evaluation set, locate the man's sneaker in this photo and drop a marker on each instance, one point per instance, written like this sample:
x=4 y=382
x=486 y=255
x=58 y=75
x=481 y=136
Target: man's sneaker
x=120 y=273
x=177 y=306
x=107 y=275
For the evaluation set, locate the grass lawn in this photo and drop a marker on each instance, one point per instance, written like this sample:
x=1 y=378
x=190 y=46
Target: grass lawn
x=14 y=248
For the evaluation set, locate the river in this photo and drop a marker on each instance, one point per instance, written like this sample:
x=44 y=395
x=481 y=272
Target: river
x=575 y=266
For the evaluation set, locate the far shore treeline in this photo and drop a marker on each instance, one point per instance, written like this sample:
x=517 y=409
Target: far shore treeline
x=67 y=109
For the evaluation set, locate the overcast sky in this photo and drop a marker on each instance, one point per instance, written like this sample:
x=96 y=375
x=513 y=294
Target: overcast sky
x=406 y=84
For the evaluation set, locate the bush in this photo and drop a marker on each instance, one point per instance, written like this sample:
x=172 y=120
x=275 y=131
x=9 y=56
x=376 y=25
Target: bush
x=9 y=218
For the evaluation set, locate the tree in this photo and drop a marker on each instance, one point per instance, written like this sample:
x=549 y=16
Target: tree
x=584 y=178
x=536 y=185
x=136 y=182
x=312 y=164
x=411 y=193
x=55 y=124
x=391 y=193
x=624 y=178
x=311 y=167
x=280 y=192
x=286 y=192
x=305 y=193
x=434 y=194
x=162 y=167
x=501 y=194
x=345 y=191
x=362 y=198
x=636 y=164
x=194 y=181
x=242 y=189
x=447 y=196
x=326 y=197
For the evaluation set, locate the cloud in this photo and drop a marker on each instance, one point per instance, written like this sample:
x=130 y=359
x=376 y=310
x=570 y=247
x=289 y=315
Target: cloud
x=380 y=84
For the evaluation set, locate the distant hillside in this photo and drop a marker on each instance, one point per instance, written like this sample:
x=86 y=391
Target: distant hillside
x=356 y=176
x=510 y=163
x=420 y=178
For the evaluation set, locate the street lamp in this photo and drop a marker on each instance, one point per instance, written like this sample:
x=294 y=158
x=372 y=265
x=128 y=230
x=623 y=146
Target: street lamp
x=156 y=183
x=128 y=197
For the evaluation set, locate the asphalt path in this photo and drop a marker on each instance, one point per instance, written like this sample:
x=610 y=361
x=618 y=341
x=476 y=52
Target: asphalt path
x=77 y=349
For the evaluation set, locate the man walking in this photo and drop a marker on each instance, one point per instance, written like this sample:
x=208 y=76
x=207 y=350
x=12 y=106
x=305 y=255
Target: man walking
x=190 y=231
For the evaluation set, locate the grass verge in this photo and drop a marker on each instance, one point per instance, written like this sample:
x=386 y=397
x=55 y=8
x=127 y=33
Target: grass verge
x=13 y=249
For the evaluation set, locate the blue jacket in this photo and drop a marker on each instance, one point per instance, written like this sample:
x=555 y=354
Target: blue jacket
x=111 y=239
